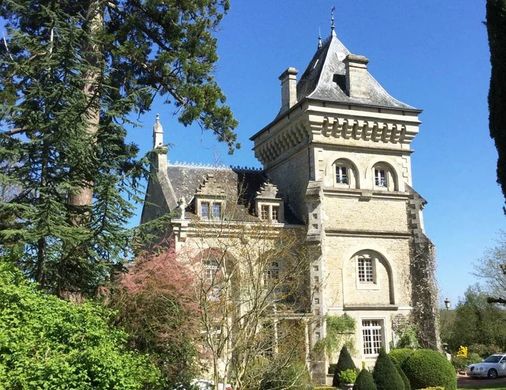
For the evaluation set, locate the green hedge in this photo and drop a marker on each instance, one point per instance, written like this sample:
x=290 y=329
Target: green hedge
x=428 y=368
x=364 y=381
x=385 y=374
x=399 y=355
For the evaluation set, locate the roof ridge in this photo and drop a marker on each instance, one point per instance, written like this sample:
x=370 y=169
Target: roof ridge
x=221 y=167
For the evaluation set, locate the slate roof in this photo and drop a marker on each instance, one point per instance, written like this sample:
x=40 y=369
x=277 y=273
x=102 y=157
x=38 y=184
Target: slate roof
x=325 y=79
x=239 y=184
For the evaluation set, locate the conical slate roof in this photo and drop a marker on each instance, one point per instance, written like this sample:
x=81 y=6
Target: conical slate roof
x=325 y=79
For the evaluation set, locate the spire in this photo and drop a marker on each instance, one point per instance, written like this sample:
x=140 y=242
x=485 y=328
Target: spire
x=332 y=26
x=319 y=39
x=157 y=133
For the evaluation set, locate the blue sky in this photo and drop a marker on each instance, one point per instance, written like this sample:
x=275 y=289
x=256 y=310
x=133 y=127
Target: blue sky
x=430 y=54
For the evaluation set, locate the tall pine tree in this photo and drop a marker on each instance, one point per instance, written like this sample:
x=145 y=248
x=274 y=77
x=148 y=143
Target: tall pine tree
x=71 y=72
x=496 y=27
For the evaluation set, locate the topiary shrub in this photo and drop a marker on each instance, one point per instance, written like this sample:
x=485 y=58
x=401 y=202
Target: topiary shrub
x=364 y=381
x=428 y=368
x=399 y=355
x=385 y=374
x=407 y=385
x=345 y=362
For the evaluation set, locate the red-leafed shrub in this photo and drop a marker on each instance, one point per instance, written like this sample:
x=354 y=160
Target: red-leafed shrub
x=155 y=303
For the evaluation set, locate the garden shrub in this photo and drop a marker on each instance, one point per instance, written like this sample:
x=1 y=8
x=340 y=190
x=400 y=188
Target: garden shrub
x=364 y=381
x=348 y=376
x=345 y=362
x=49 y=343
x=428 y=368
x=385 y=374
x=283 y=375
x=407 y=385
x=400 y=354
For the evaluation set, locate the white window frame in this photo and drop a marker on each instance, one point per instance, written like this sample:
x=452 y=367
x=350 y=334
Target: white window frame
x=342 y=178
x=211 y=204
x=372 y=335
x=381 y=177
x=367 y=285
x=265 y=212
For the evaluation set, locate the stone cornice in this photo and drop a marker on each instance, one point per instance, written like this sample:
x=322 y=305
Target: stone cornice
x=367 y=233
x=385 y=131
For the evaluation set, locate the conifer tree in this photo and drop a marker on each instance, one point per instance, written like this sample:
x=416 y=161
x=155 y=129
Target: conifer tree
x=496 y=27
x=345 y=362
x=71 y=73
x=385 y=374
x=364 y=381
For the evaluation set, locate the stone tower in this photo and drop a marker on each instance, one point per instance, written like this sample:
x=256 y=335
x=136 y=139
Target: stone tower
x=340 y=151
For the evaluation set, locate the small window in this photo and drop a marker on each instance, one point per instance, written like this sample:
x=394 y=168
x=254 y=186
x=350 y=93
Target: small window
x=264 y=212
x=275 y=213
x=342 y=174
x=204 y=210
x=365 y=270
x=380 y=177
x=372 y=336
x=273 y=271
x=216 y=210
x=211 y=268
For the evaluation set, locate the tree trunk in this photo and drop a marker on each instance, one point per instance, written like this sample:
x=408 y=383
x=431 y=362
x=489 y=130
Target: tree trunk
x=84 y=196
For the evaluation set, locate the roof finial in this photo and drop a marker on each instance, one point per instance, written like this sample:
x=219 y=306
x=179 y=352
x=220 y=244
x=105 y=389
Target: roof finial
x=319 y=38
x=332 y=26
x=157 y=132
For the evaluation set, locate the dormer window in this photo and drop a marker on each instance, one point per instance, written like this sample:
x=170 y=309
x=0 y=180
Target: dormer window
x=210 y=209
x=270 y=212
x=269 y=203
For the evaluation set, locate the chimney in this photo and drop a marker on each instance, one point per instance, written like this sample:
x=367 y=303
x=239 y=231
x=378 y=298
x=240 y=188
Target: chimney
x=288 y=88
x=356 y=76
x=159 y=149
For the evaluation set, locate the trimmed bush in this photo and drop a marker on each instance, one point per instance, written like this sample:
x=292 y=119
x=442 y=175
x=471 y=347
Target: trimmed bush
x=407 y=385
x=385 y=374
x=345 y=362
x=428 y=368
x=399 y=355
x=364 y=381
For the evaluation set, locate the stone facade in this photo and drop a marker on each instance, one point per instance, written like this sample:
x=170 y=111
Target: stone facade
x=336 y=165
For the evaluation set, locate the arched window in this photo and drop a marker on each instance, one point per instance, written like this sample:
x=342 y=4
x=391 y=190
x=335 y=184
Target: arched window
x=384 y=177
x=345 y=174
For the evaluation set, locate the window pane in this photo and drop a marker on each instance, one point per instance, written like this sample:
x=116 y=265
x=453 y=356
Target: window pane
x=341 y=174
x=216 y=210
x=275 y=213
x=372 y=336
x=380 y=178
x=365 y=270
x=264 y=212
x=204 y=209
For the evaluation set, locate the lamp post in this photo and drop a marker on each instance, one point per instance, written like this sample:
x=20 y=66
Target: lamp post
x=447 y=303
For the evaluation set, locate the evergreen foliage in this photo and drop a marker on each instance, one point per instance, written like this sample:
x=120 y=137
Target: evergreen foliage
x=496 y=27
x=428 y=368
x=405 y=380
x=385 y=374
x=71 y=73
x=281 y=375
x=49 y=343
x=364 y=381
x=399 y=355
x=345 y=362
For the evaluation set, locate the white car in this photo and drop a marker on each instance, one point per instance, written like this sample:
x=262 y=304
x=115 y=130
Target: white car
x=491 y=367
